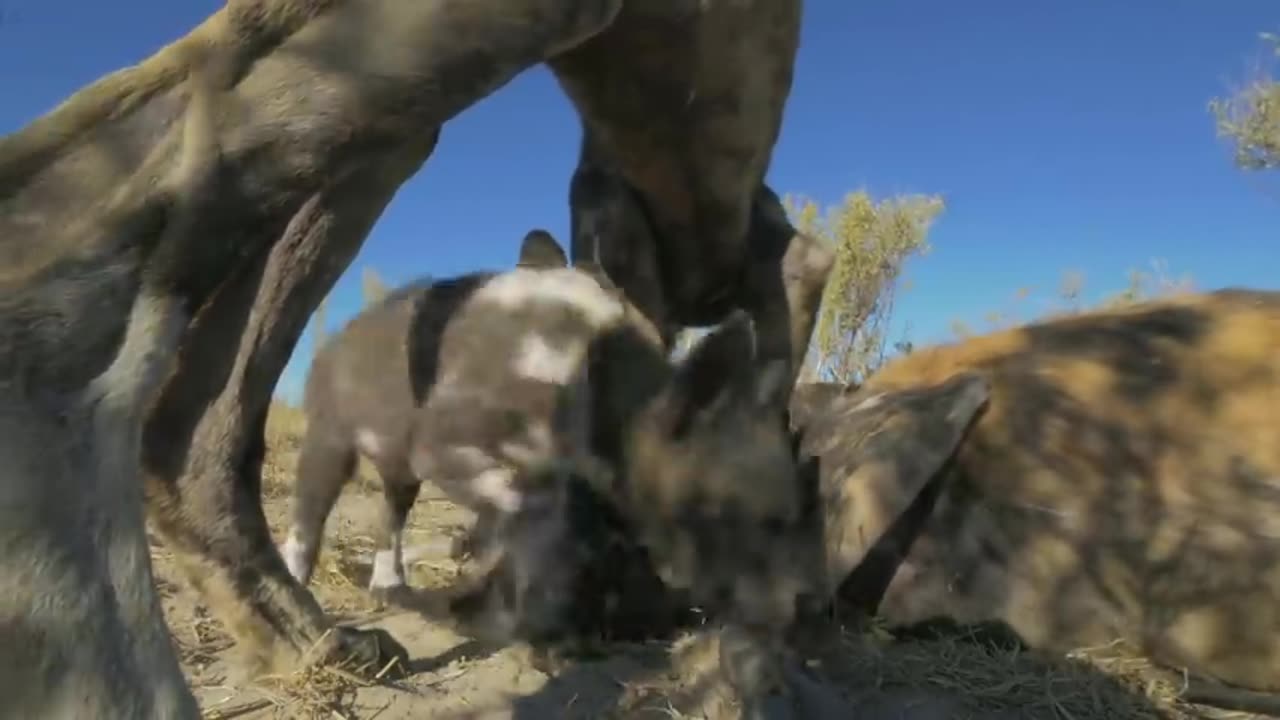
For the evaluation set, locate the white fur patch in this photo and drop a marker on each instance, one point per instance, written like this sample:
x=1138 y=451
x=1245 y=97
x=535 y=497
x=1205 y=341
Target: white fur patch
x=368 y=442
x=497 y=486
x=294 y=553
x=567 y=286
x=539 y=360
x=387 y=570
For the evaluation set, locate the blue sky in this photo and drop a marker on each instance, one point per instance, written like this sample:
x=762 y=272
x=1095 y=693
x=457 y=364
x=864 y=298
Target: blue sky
x=1068 y=135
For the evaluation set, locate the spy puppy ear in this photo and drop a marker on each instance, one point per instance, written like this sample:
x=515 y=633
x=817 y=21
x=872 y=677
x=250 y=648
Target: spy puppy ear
x=539 y=249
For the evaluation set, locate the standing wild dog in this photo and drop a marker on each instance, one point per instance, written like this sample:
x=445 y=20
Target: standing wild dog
x=1110 y=475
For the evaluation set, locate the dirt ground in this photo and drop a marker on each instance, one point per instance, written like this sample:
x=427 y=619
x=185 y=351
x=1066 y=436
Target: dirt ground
x=454 y=677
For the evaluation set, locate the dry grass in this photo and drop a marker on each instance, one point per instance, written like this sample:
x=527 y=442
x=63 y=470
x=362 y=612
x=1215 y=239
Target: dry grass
x=314 y=692
x=960 y=677
x=986 y=678
x=286 y=426
x=319 y=691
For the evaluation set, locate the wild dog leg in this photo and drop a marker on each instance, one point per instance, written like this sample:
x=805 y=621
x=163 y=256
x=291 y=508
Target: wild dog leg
x=203 y=448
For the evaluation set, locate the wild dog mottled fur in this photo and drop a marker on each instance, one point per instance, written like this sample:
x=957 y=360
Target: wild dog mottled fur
x=681 y=102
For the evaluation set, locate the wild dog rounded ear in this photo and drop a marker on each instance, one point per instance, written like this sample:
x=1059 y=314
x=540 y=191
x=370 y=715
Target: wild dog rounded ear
x=717 y=369
x=539 y=249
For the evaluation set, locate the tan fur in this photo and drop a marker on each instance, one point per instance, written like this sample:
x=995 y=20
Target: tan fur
x=715 y=74
x=236 y=34
x=86 y=634
x=1123 y=481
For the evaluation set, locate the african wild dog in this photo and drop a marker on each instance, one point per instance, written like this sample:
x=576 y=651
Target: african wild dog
x=1112 y=475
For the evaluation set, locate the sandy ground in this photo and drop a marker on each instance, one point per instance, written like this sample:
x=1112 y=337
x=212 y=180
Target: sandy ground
x=454 y=677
